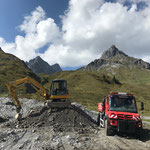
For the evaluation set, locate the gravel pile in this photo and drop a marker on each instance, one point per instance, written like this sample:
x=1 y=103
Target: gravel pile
x=71 y=128
x=62 y=119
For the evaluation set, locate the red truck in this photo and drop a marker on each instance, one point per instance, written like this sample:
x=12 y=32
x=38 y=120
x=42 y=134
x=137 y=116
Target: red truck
x=118 y=113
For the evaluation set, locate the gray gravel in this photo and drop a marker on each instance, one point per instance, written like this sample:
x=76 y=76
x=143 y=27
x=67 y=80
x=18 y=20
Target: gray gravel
x=45 y=138
x=146 y=117
x=8 y=110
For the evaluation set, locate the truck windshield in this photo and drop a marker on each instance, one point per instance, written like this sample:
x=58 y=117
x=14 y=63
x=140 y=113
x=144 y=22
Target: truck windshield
x=123 y=104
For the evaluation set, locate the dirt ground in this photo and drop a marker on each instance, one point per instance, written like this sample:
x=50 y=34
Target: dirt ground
x=72 y=128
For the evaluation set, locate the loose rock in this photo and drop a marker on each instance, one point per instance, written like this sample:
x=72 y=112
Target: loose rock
x=68 y=128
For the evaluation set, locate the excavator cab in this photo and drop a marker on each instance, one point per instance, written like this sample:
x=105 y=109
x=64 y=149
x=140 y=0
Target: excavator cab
x=59 y=95
x=58 y=90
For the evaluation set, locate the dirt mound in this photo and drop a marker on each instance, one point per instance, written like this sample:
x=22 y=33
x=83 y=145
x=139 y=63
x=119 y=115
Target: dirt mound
x=69 y=128
x=61 y=119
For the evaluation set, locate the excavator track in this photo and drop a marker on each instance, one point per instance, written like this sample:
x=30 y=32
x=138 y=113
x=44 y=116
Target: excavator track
x=62 y=103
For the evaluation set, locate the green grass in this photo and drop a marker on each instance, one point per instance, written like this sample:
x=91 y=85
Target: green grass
x=146 y=120
x=4 y=95
x=11 y=69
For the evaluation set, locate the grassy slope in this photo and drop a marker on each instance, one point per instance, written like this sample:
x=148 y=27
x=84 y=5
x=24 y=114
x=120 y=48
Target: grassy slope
x=89 y=88
x=11 y=69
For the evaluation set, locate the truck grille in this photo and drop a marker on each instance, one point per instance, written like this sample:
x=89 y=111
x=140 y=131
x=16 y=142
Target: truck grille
x=126 y=126
x=121 y=116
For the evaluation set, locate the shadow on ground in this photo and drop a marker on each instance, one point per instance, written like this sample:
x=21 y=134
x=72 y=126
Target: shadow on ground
x=145 y=135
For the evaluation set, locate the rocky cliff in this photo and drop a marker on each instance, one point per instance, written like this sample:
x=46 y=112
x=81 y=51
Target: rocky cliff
x=38 y=65
x=114 y=58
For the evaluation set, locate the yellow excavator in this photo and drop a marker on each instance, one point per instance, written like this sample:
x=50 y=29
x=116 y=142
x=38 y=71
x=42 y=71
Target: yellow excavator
x=58 y=97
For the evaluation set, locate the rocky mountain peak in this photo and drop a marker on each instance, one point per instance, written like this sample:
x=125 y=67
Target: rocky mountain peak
x=114 y=58
x=38 y=65
x=56 y=67
x=111 y=52
x=37 y=59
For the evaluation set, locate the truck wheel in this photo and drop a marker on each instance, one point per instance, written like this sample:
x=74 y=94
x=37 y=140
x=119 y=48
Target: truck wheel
x=108 y=130
x=98 y=119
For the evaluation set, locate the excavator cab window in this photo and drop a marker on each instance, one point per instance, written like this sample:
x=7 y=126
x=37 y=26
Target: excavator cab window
x=59 y=87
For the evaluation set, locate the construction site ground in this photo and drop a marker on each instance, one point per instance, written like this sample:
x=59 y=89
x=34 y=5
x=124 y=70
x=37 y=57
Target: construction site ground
x=71 y=128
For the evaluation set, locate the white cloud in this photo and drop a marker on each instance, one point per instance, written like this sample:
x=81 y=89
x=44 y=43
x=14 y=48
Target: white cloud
x=99 y=26
x=66 y=56
x=31 y=21
x=8 y=47
x=88 y=28
x=39 y=31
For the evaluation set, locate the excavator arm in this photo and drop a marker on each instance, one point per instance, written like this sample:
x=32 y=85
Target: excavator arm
x=37 y=86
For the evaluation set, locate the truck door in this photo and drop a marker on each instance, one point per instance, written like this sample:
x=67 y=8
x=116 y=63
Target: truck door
x=107 y=106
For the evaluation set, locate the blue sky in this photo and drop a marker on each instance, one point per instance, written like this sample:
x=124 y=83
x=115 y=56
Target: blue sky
x=12 y=13
x=86 y=29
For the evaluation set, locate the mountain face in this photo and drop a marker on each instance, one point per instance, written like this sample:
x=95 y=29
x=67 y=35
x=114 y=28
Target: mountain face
x=112 y=52
x=38 y=65
x=114 y=58
x=56 y=67
x=11 y=69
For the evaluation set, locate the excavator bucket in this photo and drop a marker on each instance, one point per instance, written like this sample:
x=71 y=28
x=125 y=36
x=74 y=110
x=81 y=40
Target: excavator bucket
x=18 y=116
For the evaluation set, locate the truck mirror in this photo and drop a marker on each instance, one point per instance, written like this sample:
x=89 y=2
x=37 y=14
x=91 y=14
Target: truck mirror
x=142 y=106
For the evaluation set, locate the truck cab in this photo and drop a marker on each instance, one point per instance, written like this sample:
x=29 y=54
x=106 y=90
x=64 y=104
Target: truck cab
x=118 y=112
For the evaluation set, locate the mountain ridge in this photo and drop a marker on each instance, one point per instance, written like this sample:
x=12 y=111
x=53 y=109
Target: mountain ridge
x=38 y=65
x=114 y=58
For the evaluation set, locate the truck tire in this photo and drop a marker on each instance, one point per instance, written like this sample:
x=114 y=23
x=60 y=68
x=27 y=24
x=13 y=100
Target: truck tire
x=108 y=130
x=98 y=119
